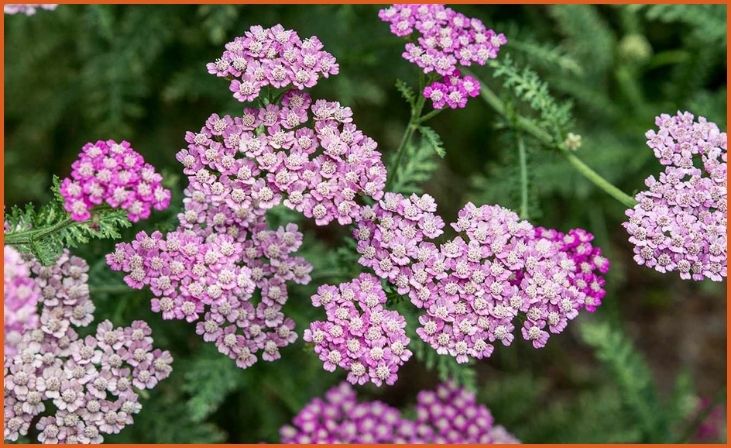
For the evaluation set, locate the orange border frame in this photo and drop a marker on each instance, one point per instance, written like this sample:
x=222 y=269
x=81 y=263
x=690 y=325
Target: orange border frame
x=292 y=2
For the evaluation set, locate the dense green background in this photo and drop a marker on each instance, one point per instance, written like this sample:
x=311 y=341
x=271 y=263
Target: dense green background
x=82 y=73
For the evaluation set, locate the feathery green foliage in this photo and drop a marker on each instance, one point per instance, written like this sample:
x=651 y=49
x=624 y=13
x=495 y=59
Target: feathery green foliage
x=46 y=231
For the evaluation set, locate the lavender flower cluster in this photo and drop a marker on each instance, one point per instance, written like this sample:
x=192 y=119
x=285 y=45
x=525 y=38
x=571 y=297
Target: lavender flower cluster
x=446 y=39
x=307 y=155
x=446 y=415
x=360 y=335
x=679 y=222
x=115 y=174
x=473 y=287
x=88 y=385
x=274 y=57
x=28 y=9
x=20 y=300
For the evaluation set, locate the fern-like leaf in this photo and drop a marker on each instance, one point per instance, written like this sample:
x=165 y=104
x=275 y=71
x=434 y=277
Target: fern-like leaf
x=209 y=379
x=407 y=92
x=417 y=167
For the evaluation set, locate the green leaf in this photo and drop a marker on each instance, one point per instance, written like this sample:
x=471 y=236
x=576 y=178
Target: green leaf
x=46 y=231
x=632 y=376
x=208 y=381
x=433 y=139
x=407 y=92
x=417 y=167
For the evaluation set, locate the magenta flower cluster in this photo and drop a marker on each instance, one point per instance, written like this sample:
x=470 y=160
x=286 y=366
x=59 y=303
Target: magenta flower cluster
x=474 y=286
x=115 y=174
x=446 y=415
x=76 y=389
x=679 y=222
x=20 y=300
x=445 y=40
x=274 y=57
x=28 y=9
x=452 y=91
x=360 y=335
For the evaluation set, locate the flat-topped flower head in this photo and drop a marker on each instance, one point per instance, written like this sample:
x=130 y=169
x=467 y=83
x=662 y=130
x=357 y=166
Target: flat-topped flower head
x=74 y=389
x=274 y=57
x=360 y=335
x=444 y=41
x=307 y=155
x=446 y=415
x=112 y=173
x=211 y=280
x=679 y=222
x=20 y=301
x=474 y=286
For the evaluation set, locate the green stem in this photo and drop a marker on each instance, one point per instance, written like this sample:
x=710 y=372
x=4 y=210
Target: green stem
x=523 y=176
x=27 y=236
x=430 y=115
x=627 y=200
x=408 y=133
x=544 y=137
x=30 y=235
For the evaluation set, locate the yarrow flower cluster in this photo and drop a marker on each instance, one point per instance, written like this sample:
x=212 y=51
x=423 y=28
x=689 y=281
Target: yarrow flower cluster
x=28 y=9
x=307 y=155
x=316 y=169
x=474 y=286
x=679 y=222
x=115 y=174
x=20 y=301
x=360 y=335
x=210 y=280
x=89 y=385
x=273 y=57
x=452 y=91
x=446 y=415
x=589 y=264
x=445 y=40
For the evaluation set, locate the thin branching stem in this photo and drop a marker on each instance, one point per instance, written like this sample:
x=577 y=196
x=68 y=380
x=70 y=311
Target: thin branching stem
x=523 y=161
x=531 y=128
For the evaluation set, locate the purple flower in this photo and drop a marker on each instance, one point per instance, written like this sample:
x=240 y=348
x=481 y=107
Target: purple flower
x=272 y=57
x=360 y=335
x=447 y=415
x=679 y=222
x=21 y=298
x=445 y=39
x=115 y=174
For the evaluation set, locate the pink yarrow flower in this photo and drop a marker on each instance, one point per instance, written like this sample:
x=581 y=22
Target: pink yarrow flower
x=112 y=173
x=679 y=222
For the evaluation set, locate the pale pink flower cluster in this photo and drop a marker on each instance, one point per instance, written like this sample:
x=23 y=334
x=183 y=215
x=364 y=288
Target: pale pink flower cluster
x=474 y=286
x=273 y=57
x=360 y=335
x=76 y=389
x=20 y=299
x=28 y=9
x=115 y=174
x=448 y=414
x=679 y=222
x=445 y=40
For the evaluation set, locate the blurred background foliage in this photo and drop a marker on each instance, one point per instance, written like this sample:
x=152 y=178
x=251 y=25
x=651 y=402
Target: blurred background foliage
x=648 y=366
